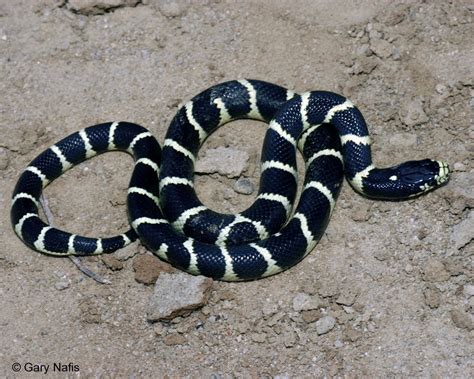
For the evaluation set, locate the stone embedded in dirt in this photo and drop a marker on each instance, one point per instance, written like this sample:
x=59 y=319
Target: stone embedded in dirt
x=432 y=297
x=468 y=290
x=435 y=271
x=258 y=337
x=223 y=160
x=148 y=268
x=462 y=319
x=304 y=302
x=62 y=284
x=174 y=339
x=325 y=324
x=112 y=263
x=348 y=295
x=463 y=233
x=311 y=316
x=361 y=212
x=460 y=192
x=381 y=48
x=364 y=65
x=244 y=186
x=412 y=113
x=178 y=294
x=94 y=7
x=170 y=8
x=127 y=252
x=351 y=334
x=4 y=158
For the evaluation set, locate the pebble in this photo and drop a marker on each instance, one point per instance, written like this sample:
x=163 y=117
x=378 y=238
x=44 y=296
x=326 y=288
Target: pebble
x=434 y=271
x=347 y=296
x=463 y=233
x=148 y=268
x=304 y=302
x=174 y=339
x=112 y=263
x=94 y=7
x=311 y=316
x=325 y=324
x=459 y=166
x=468 y=290
x=412 y=113
x=126 y=253
x=62 y=284
x=244 y=186
x=432 y=297
x=381 y=48
x=364 y=65
x=170 y=8
x=361 y=212
x=462 y=319
x=4 y=158
x=178 y=294
x=259 y=337
x=441 y=89
x=460 y=191
x=223 y=160
x=403 y=140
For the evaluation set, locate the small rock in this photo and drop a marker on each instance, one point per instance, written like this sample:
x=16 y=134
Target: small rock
x=434 y=271
x=289 y=338
x=462 y=319
x=244 y=186
x=381 y=254
x=459 y=166
x=62 y=284
x=94 y=7
x=328 y=288
x=361 y=212
x=460 y=191
x=4 y=158
x=127 y=252
x=171 y=8
x=348 y=295
x=223 y=160
x=311 y=316
x=463 y=233
x=325 y=324
x=432 y=297
x=148 y=268
x=178 y=295
x=269 y=308
x=441 y=89
x=259 y=337
x=412 y=113
x=304 y=302
x=364 y=65
x=468 y=290
x=112 y=263
x=351 y=334
x=174 y=339
x=381 y=48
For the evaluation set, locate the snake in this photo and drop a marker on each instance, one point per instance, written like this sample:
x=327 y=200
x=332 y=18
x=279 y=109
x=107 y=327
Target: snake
x=169 y=219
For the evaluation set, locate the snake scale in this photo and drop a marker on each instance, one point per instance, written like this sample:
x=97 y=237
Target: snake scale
x=165 y=212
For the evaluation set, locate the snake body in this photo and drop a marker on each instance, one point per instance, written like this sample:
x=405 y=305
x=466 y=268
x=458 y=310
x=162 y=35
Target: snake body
x=167 y=215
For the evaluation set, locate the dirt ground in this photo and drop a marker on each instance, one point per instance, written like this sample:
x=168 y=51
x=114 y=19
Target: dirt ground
x=388 y=291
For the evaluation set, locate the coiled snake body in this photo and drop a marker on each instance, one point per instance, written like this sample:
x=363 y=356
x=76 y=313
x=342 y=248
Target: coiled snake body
x=170 y=220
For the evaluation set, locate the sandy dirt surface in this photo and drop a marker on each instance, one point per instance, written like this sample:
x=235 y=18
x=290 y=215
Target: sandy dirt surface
x=388 y=291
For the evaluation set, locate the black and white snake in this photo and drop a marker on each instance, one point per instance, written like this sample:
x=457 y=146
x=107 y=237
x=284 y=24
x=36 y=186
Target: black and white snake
x=170 y=220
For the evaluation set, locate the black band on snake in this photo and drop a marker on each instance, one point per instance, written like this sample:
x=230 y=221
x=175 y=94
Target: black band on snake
x=170 y=220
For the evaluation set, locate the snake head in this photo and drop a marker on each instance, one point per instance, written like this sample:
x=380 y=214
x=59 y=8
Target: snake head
x=407 y=179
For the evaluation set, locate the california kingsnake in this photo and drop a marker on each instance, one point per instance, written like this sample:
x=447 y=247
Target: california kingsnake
x=327 y=128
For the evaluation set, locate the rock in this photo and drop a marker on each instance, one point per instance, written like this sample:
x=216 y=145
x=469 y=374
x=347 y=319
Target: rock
x=412 y=113
x=244 y=186
x=148 y=268
x=325 y=324
x=127 y=252
x=62 y=284
x=304 y=302
x=112 y=263
x=171 y=8
x=259 y=337
x=468 y=290
x=460 y=191
x=463 y=233
x=381 y=48
x=174 y=339
x=351 y=334
x=364 y=65
x=4 y=158
x=93 y=7
x=311 y=316
x=432 y=297
x=462 y=319
x=348 y=295
x=434 y=271
x=178 y=295
x=223 y=160
x=361 y=212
